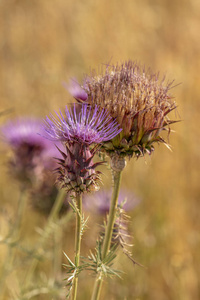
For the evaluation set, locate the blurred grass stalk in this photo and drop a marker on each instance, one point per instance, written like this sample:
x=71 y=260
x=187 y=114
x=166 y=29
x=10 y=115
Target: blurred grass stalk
x=109 y=230
x=57 y=256
x=11 y=240
x=53 y=217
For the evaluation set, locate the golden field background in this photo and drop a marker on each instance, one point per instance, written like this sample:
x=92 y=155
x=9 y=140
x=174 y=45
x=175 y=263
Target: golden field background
x=44 y=43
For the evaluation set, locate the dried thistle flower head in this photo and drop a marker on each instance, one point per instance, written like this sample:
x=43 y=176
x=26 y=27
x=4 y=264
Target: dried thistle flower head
x=78 y=129
x=138 y=100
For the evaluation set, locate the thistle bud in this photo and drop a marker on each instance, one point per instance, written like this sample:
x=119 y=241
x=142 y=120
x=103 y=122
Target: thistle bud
x=77 y=170
x=43 y=194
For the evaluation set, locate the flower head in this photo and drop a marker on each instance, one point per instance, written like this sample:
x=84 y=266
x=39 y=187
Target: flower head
x=78 y=129
x=82 y=124
x=32 y=162
x=32 y=153
x=76 y=90
x=24 y=131
x=138 y=100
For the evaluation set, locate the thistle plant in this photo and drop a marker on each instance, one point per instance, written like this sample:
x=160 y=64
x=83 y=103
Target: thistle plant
x=121 y=113
x=99 y=203
x=82 y=129
x=30 y=164
x=29 y=149
x=140 y=102
x=31 y=161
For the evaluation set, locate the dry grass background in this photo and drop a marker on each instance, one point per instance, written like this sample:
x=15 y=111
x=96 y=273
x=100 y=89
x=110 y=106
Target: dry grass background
x=42 y=44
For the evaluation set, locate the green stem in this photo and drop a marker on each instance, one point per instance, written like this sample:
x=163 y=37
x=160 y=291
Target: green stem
x=52 y=218
x=77 y=244
x=109 y=230
x=112 y=214
x=57 y=258
x=57 y=206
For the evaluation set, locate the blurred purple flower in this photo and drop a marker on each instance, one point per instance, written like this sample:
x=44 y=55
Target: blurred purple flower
x=32 y=162
x=100 y=201
x=24 y=130
x=76 y=90
x=32 y=153
x=82 y=124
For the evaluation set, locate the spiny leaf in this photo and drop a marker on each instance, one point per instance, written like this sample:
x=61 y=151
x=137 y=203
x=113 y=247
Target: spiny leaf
x=69 y=260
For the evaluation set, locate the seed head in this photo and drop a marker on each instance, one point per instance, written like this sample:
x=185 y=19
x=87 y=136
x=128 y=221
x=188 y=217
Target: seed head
x=139 y=102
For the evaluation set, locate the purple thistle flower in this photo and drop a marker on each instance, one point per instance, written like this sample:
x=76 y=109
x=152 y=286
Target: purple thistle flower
x=76 y=90
x=32 y=153
x=82 y=124
x=32 y=162
x=24 y=130
x=80 y=127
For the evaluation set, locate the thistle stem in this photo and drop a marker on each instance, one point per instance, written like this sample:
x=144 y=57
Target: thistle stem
x=77 y=243
x=52 y=218
x=109 y=230
x=112 y=213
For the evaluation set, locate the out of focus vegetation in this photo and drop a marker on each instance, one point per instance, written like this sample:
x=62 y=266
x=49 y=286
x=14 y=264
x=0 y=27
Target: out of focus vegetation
x=44 y=43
